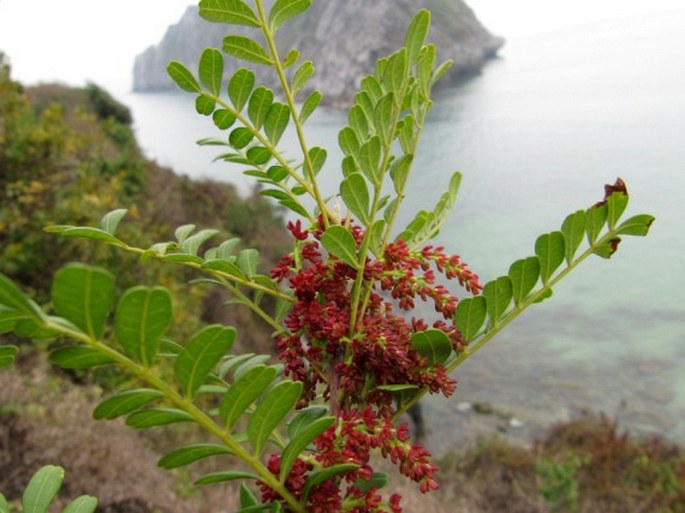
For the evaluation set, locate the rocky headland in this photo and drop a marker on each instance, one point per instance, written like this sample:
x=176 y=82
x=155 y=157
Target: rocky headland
x=342 y=37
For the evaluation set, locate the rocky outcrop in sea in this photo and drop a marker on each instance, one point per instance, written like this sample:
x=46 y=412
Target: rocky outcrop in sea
x=342 y=37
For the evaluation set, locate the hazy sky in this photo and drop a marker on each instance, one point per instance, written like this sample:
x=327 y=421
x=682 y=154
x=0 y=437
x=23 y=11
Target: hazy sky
x=73 y=41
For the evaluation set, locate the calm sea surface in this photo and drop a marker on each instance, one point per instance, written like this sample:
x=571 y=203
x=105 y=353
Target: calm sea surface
x=537 y=135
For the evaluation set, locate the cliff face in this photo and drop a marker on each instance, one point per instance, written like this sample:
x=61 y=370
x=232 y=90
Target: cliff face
x=343 y=38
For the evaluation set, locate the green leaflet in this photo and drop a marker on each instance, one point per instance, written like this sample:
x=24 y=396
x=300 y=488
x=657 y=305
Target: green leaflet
x=302 y=76
x=304 y=418
x=383 y=117
x=370 y=155
x=201 y=355
x=220 y=477
x=247 y=49
x=550 y=250
x=223 y=119
x=338 y=241
x=79 y=357
x=259 y=105
x=284 y=10
x=434 y=344
x=616 y=205
x=248 y=499
x=42 y=489
x=13 y=298
x=247 y=261
x=205 y=105
x=234 y=12
x=416 y=35
x=211 y=70
x=524 y=275
x=310 y=105
x=190 y=454
x=110 y=221
x=355 y=193
x=84 y=295
x=498 y=294
x=7 y=355
x=183 y=78
x=637 y=225
x=317 y=156
x=4 y=507
x=595 y=218
x=192 y=244
x=244 y=392
x=298 y=444
x=276 y=122
x=125 y=402
x=183 y=232
x=271 y=411
x=82 y=504
x=573 y=229
x=240 y=87
x=319 y=476
x=143 y=315
x=157 y=417
x=470 y=316
x=378 y=480
x=248 y=364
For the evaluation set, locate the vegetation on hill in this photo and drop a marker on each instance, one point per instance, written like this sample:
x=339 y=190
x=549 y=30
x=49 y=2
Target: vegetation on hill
x=69 y=155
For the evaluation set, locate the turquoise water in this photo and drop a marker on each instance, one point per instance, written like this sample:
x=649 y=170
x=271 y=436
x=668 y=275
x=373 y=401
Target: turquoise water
x=537 y=135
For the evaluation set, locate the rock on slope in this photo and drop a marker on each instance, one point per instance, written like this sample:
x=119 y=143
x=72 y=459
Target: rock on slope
x=343 y=38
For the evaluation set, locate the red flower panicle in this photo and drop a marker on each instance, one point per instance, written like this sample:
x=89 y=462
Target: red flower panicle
x=322 y=349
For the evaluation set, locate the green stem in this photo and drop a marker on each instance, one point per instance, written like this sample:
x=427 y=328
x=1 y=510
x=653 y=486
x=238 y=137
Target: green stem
x=290 y=99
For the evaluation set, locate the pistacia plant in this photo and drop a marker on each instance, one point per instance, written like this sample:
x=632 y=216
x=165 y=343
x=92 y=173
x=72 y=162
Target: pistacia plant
x=343 y=303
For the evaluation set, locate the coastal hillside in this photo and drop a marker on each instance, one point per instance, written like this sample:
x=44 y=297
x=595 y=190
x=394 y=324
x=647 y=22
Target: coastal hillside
x=342 y=37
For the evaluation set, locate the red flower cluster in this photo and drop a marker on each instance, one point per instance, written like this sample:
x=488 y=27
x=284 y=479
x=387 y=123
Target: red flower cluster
x=354 y=363
x=350 y=441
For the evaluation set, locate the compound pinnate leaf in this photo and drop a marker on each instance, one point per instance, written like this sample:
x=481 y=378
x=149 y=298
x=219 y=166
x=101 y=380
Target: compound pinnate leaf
x=247 y=49
x=498 y=294
x=284 y=10
x=211 y=70
x=434 y=344
x=82 y=504
x=244 y=392
x=279 y=401
x=84 y=295
x=190 y=454
x=573 y=229
x=338 y=241
x=301 y=442
x=470 y=316
x=183 y=78
x=234 y=12
x=157 y=417
x=201 y=355
x=550 y=250
x=79 y=357
x=143 y=315
x=125 y=402
x=42 y=489
x=524 y=275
